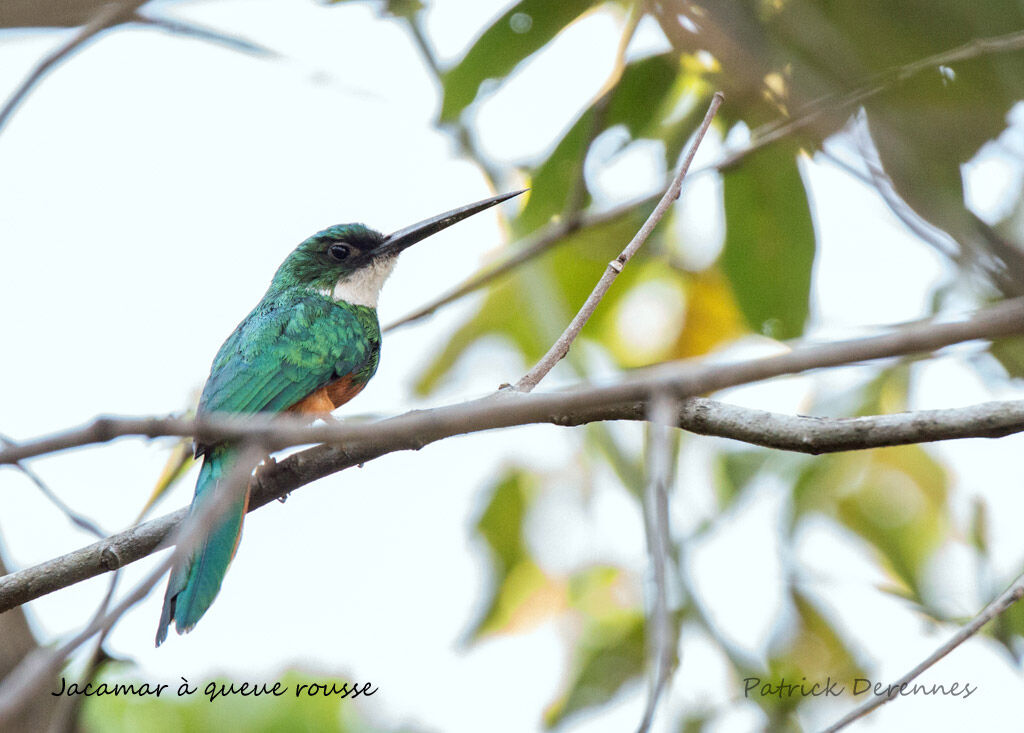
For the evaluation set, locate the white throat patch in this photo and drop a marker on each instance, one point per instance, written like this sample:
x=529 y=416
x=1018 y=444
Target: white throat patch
x=362 y=287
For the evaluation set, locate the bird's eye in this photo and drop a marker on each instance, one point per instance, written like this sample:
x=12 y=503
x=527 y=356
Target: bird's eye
x=338 y=252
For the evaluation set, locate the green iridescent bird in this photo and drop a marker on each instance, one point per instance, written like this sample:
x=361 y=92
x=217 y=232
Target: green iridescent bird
x=310 y=345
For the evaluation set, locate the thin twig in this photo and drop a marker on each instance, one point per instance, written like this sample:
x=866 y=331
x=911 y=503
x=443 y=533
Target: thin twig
x=561 y=347
x=1009 y=278
x=572 y=218
x=806 y=115
x=760 y=137
x=663 y=411
x=624 y=400
x=35 y=671
x=202 y=33
x=534 y=246
x=108 y=16
x=79 y=520
x=1009 y=597
x=938 y=239
x=70 y=706
x=707 y=417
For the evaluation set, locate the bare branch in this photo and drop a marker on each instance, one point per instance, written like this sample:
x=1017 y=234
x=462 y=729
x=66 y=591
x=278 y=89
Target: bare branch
x=38 y=668
x=79 y=520
x=809 y=113
x=663 y=643
x=202 y=33
x=760 y=137
x=108 y=16
x=707 y=417
x=561 y=347
x=95 y=559
x=1010 y=596
x=625 y=400
x=818 y=435
x=1005 y=270
x=938 y=239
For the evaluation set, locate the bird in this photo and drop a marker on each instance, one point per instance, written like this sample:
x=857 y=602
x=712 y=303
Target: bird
x=309 y=346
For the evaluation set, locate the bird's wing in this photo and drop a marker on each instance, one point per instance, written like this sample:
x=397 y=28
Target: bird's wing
x=282 y=352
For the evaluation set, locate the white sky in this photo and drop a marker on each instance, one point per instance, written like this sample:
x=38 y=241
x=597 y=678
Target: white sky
x=148 y=191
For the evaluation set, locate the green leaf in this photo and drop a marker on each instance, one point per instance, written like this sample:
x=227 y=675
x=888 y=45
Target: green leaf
x=894 y=498
x=521 y=593
x=979 y=534
x=769 y=241
x=530 y=306
x=610 y=654
x=736 y=470
x=1009 y=352
x=526 y=27
x=638 y=102
x=808 y=652
x=403 y=8
x=179 y=462
x=929 y=123
x=1008 y=627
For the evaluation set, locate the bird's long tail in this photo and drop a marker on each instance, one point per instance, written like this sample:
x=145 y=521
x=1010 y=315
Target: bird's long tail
x=195 y=581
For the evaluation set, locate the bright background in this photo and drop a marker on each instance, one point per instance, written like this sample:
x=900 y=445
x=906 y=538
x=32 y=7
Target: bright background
x=149 y=189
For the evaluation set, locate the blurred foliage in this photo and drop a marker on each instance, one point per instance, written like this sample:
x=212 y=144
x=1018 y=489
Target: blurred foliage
x=525 y=28
x=179 y=461
x=811 y=650
x=522 y=593
x=935 y=80
x=794 y=73
x=609 y=654
x=894 y=498
x=197 y=713
x=769 y=241
x=600 y=601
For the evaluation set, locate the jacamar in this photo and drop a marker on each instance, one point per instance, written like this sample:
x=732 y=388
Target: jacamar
x=309 y=346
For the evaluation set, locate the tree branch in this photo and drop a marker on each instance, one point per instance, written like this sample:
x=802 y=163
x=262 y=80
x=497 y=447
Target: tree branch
x=40 y=667
x=410 y=432
x=582 y=403
x=625 y=400
x=760 y=137
x=572 y=218
x=566 y=407
x=106 y=17
x=1010 y=596
x=202 y=33
x=819 y=435
x=561 y=347
x=79 y=520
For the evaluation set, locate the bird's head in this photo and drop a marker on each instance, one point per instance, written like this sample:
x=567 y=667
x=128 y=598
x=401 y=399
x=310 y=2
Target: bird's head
x=350 y=262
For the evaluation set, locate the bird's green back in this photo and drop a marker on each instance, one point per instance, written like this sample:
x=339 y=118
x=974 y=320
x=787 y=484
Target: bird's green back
x=293 y=343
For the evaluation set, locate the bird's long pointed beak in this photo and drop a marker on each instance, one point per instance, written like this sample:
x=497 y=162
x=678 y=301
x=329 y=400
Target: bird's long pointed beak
x=396 y=242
